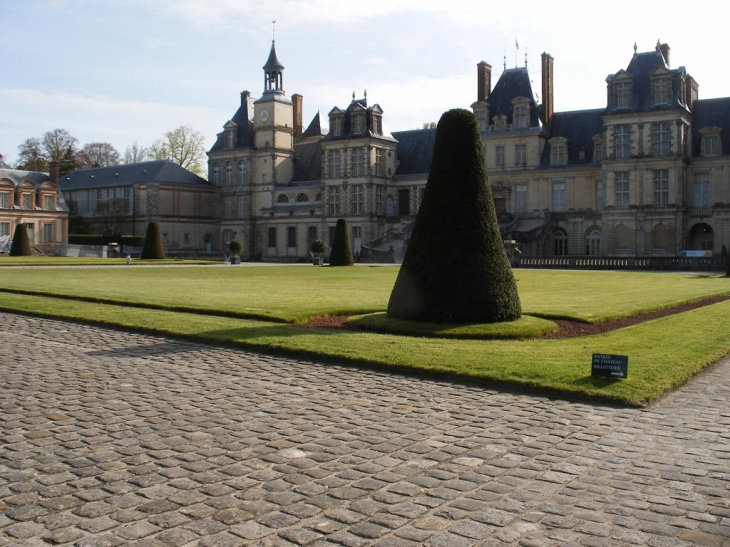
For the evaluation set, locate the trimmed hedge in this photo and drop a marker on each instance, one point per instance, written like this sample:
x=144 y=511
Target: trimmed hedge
x=21 y=244
x=455 y=268
x=153 y=249
x=341 y=254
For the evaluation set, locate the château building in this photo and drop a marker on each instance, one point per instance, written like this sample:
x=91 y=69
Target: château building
x=646 y=174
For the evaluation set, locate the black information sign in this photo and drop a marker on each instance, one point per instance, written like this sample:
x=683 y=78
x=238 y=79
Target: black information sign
x=610 y=366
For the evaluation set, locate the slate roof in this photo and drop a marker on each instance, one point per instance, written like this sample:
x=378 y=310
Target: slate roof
x=415 y=149
x=17 y=176
x=315 y=128
x=578 y=128
x=359 y=104
x=130 y=174
x=711 y=112
x=514 y=82
x=244 y=126
x=308 y=162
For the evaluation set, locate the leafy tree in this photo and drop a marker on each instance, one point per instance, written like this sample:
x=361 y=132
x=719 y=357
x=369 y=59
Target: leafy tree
x=21 y=244
x=3 y=163
x=98 y=154
x=135 y=153
x=455 y=268
x=153 y=248
x=318 y=246
x=112 y=216
x=68 y=163
x=183 y=146
x=57 y=143
x=429 y=125
x=31 y=156
x=341 y=254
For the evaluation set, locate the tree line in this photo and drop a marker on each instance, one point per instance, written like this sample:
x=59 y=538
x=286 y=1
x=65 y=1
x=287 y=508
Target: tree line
x=182 y=145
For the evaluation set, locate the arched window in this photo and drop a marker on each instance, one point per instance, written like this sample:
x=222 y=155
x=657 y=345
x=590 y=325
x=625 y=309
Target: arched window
x=282 y=199
x=389 y=206
x=560 y=242
x=593 y=242
x=301 y=198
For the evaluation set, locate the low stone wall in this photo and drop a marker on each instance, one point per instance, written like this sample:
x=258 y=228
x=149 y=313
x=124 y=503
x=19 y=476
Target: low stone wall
x=703 y=264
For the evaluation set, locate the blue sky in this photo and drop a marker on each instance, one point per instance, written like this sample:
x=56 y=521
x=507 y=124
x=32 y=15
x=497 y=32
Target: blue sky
x=123 y=70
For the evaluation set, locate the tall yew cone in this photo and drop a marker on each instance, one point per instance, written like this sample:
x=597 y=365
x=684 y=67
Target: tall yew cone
x=341 y=253
x=21 y=243
x=153 y=248
x=455 y=269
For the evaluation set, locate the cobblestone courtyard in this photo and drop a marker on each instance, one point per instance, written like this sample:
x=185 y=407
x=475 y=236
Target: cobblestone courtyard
x=110 y=438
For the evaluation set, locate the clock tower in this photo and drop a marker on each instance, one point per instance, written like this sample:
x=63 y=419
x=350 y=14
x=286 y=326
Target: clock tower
x=274 y=127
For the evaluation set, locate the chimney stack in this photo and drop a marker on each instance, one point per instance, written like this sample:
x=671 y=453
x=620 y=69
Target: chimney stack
x=53 y=170
x=664 y=48
x=484 y=81
x=298 y=101
x=547 y=90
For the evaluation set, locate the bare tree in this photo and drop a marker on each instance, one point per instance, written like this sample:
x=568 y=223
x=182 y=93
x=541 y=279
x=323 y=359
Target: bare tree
x=136 y=153
x=98 y=154
x=3 y=163
x=31 y=156
x=112 y=216
x=184 y=146
x=56 y=143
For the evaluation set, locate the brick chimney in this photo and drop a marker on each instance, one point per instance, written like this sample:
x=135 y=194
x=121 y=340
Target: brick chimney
x=547 y=90
x=53 y=169
x=664 y=48
x=484 y=81
x=298 y=101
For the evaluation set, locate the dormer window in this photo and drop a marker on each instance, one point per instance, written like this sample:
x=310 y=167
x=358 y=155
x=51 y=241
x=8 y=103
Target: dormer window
x=358 y=123
x=336 y=123
x=597 y=149
x=500 y=122
x=711 y=145
x=623 y=93
x=377 y=124
x=231 y=138
x=661 y=90
x=520 y=112
x=558 y=151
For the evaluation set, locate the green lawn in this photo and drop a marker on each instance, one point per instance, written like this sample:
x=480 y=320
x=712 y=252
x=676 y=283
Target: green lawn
x=663 y=354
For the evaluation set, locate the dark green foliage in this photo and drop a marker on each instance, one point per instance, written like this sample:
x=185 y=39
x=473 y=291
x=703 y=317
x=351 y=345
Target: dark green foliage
x=455 y=269
x=153 y=248
x=318 y=246
x=724 y=251
x=21 y=244
x=235 y=247
x=341 y=254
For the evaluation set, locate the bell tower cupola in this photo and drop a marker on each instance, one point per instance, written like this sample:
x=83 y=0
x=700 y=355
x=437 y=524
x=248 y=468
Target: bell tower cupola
x=273 y=73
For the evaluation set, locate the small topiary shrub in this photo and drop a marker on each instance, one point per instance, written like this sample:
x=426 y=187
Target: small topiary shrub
x=455 y=269
x=153 y=249
x=341 y=254
x=21 y=244
x=235 y=247
x=318 y=246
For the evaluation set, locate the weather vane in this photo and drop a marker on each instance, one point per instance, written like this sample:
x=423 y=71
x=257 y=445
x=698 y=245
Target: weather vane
x=273 y=29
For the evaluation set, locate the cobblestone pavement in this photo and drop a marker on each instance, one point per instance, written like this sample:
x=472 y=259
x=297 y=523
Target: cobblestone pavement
x=111 y=438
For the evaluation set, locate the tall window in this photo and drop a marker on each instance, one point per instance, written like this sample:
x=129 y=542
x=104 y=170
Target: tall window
x=661 y=187
x=357 y=199
x=520 y=154
x=623 y=94
x=710 y=145
x=377 y=125
x=216 y=174
x=558 y=154
x=600 y=199
x=558 y=196
x=242 y=172
x=661 y=90
x=379 y=162
x=26 y=201
x=379 y=200
x=500 y=156
x=241 y=207
x=4 y=229
x=291 y=237
x=521 y=198
x=358 y=162
x=271 y=237
x=404 y=202
x=231 y=138
x=661 y=138
x=48 y=203
x=47 y=233
x=336 y=122
x=358 y=123
x=4 y=200
x=622 y=141
x=621 y=186
x=311 y=234
x=560 y=242
x=702 y=190
x=229 y=173
x=593 y=242
x=229 y=207
x=334 y=164
x=333 y=200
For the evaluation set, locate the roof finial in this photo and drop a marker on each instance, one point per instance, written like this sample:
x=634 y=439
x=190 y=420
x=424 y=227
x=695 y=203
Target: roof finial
x=635 y=47
x=273 y=29
x=505 y=59
x=353 y=95
x=365 y=94
x=525 y=57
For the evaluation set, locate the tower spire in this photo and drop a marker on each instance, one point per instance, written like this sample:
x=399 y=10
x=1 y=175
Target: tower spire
x=273 y=69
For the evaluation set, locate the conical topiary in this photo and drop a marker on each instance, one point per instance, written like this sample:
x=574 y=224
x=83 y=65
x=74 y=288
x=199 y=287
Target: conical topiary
x=21 y=244
x=153 y=248
x=341 y=254
x=455 y=267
